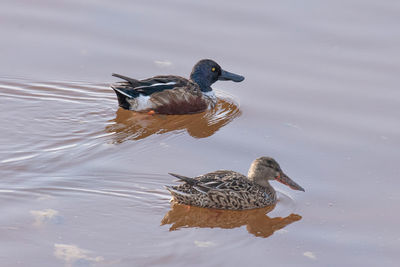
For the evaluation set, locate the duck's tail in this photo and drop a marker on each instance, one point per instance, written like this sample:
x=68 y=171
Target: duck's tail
x=132 y=81
x=124 y=90
x=122 y=96
x=186 y=179
x=176 y=193
x=179 y=196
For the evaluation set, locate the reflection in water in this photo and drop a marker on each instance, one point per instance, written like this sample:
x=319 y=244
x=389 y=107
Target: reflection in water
x=130 y=125
x=257 y=222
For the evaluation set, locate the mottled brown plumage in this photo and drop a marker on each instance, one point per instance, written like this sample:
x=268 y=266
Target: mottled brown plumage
x=231 y=190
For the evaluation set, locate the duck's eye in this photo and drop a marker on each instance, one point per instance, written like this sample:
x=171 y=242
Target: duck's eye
x=212 y=69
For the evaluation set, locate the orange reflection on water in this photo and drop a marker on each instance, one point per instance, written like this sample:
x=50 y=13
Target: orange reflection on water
x=257 y=221
x=130 y=125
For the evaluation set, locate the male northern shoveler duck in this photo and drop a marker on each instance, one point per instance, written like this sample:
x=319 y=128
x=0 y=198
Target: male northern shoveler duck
x=231 y=190
x=173 y=94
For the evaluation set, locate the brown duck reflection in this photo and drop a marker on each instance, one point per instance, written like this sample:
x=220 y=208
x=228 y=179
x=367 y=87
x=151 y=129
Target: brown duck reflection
x=257 y=221
x=130 y=125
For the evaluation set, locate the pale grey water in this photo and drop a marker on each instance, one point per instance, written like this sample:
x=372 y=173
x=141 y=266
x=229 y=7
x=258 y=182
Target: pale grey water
x=82 y=184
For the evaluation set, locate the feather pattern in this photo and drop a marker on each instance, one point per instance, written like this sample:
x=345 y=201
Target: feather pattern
x=222 y=190
x=231 y=190
x=168 y=94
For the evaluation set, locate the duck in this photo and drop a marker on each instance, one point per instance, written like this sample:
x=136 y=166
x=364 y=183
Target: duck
x=230 y=190
x=172 y=95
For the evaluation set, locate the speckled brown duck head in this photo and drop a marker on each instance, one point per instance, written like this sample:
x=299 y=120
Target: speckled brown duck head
x=266 y=168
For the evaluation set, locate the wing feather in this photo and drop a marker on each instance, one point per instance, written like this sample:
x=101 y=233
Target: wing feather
x=133 y=87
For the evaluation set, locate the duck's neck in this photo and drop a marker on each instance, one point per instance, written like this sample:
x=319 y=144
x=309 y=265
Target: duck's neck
x=256 y=177
x=205 y=86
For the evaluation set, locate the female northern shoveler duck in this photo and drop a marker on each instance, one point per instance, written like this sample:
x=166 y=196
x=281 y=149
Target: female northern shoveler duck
x=232 y=190
x=173 y=94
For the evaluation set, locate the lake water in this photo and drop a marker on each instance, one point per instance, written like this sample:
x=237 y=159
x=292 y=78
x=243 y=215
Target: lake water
x=82 y=180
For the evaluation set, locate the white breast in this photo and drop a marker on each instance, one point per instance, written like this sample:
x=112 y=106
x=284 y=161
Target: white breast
x=211 y=95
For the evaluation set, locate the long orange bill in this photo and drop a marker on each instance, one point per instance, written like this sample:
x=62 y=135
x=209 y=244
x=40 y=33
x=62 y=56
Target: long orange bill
x=284 y=179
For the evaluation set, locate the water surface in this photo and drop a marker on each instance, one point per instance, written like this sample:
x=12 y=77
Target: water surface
x=82 y=180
